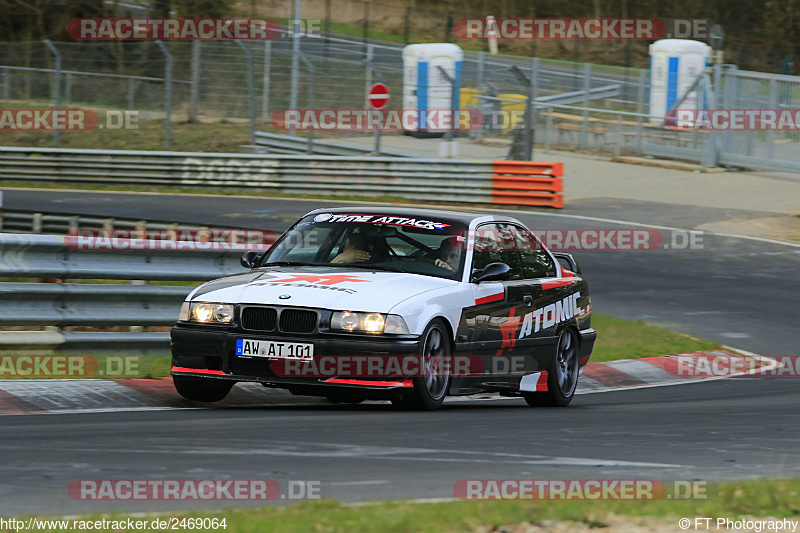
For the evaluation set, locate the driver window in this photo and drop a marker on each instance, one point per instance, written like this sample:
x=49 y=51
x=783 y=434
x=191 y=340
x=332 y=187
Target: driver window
x=494 y=243
x=536 y=263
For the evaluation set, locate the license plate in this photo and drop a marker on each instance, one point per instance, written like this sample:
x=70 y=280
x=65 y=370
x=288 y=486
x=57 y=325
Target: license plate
x=303 y=351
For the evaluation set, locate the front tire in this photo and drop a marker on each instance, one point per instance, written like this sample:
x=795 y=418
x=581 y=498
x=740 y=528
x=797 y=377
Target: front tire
x=202 y=389
x=562 y=374
x=431 y=388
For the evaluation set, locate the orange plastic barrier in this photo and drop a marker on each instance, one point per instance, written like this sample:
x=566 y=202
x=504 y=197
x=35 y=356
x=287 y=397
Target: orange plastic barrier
x=527 y=183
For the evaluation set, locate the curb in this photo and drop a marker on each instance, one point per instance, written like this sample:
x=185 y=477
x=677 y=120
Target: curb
x=43 y=396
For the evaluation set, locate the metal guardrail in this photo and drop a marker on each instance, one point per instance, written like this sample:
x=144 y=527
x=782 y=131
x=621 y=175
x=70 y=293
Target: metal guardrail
x=84 y=304
x=414 y=178
x=97 y=304
x=46 y=256
x=49 y=223
x=274 y=143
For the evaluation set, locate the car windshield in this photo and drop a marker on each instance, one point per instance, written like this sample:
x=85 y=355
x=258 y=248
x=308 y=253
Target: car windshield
x=380 y=242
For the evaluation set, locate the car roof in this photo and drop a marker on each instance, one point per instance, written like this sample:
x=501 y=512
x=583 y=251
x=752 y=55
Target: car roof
x=464 y=217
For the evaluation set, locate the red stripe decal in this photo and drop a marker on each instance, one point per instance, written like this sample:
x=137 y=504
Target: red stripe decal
x=491 y=298
x=198 y=371
x=541 y=385
x=406 y=383
x=554 y=283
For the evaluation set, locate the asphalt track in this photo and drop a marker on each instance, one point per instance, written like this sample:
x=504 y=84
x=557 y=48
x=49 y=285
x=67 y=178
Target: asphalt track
x=728 y=429
x=737 y=291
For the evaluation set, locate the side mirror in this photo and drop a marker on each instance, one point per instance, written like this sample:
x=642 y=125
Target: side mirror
x=250 y=259
x=492 y=272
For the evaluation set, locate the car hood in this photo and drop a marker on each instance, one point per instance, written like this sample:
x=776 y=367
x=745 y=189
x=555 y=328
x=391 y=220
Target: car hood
x=321 y=287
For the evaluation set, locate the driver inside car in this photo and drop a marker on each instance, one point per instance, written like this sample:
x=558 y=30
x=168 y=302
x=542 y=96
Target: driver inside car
x=355 y=250
x=447 y=254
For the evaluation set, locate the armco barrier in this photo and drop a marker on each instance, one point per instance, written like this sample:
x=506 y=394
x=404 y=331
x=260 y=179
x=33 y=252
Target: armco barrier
x=97 y=304
x=527 y=183
x=414 y=178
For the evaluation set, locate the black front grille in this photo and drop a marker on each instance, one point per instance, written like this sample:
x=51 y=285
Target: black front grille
x=259 y=318
x=298 y=321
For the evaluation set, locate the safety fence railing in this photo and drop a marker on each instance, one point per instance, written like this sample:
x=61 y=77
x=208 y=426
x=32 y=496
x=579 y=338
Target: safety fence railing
x=41 y=287
x=439 y=180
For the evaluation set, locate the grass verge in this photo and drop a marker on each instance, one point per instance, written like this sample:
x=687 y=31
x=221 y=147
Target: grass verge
x=735 y=500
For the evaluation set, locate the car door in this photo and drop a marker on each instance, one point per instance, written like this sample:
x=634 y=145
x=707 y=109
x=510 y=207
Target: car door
x=551 y=301
x=490 y=327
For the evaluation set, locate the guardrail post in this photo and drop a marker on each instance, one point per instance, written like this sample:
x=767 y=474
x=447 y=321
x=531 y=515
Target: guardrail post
x=56 y=86
x=194 y=91
x=167 y=95
x=36 y=223
x=312 y=87
x=251 y=90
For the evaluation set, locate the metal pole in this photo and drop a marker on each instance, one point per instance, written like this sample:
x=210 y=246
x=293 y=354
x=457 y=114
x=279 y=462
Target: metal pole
x=56 y=86
x=295 y=59
x=368 y=75
x=407 y=26
x=194 y=91
x=532 y=89
x=6 y=84
x=365 y=30
x=310 y=98
x=587 y=85
x=130 y=94
x=68 y=89
x=251 y=90
x=481 y=69
x=640 y=110
x=549 y=129
x=265 y=81
x=327 y=28
x=167 y=96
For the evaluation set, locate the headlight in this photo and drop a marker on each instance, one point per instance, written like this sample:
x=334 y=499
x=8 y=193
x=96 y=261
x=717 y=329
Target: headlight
x=368 y=322
x=208 y=313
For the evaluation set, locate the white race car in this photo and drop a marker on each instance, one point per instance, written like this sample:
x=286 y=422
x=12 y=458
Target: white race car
x=400 y=304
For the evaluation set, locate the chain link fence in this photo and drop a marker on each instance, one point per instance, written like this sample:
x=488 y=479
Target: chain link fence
x=578 y=105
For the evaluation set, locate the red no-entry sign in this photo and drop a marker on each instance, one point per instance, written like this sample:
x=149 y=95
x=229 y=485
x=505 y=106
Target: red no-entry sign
x=378 y=95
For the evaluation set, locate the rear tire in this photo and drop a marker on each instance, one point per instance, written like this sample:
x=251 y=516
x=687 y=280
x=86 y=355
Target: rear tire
x=202 y=389
x=431 y=388
x=562 y=374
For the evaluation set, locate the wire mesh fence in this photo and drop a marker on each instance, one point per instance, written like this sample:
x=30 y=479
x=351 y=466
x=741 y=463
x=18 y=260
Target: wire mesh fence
x=593 y=106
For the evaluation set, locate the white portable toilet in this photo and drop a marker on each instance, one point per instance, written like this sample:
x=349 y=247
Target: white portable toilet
x=424 y=87
x=675 y=64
